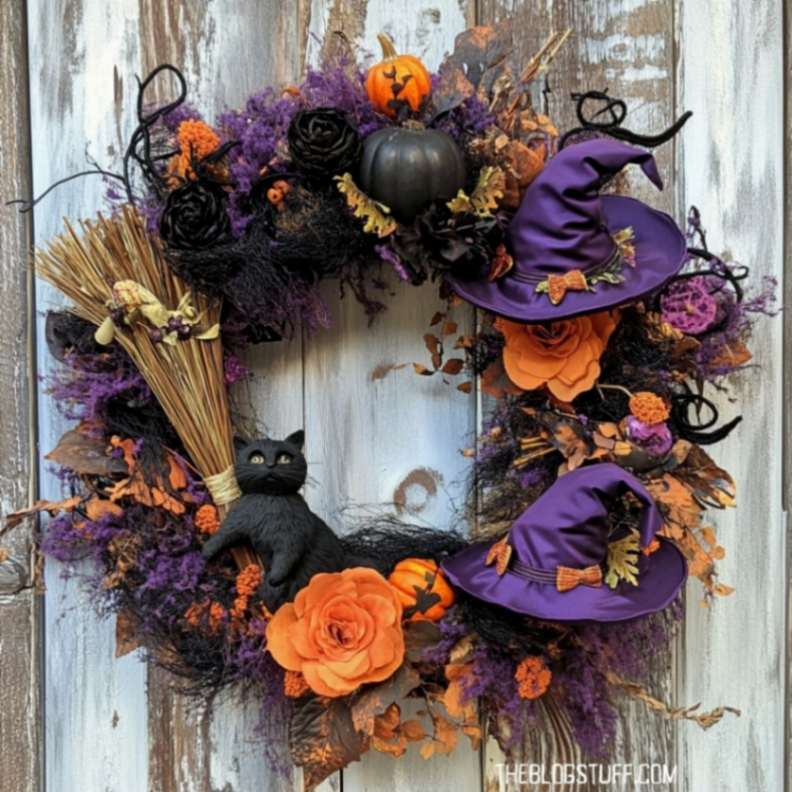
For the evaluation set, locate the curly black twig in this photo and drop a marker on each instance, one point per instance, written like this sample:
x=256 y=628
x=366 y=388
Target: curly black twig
x=612 y=126
x=696 y=431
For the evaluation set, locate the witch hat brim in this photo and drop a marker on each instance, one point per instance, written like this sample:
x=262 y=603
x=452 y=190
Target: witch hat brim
x=660 y=578
x=660 y=252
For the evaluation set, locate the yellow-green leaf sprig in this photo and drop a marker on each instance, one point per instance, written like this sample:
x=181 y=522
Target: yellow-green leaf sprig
x=377 y=216
x=484 y=199
x=138 y=304
x=622 y=560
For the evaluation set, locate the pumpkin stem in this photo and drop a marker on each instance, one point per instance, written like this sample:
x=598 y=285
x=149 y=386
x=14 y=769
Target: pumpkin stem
x=388 y=47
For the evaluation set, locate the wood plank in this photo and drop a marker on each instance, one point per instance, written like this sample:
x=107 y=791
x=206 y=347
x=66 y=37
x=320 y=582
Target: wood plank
x=626 y=45
x=732 y=164
x=94 y=704
x=787 y=369
x=194 y=747
x=20 y=694
x=20 y=725
x=369 y=427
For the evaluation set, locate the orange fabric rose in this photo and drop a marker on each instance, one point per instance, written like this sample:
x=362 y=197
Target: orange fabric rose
x=342 y=631
x=563 y=355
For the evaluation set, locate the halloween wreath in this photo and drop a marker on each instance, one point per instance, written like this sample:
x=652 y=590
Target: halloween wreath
x=603 y=328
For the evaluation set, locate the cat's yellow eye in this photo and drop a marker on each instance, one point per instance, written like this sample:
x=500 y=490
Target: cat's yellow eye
x=283 y=459
x=256 y=459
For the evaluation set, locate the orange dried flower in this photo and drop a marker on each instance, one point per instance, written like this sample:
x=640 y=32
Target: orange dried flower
x=533 y=678
x=206 y=519
x=294 y=684
x=239 y=607
x=216 y=615
x=648 y=407
x=248 y=580
x=196 y=141
x=193 y=614
x=563 y=355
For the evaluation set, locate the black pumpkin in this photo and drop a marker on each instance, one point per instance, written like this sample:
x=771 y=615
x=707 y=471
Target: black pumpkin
x=406 y=169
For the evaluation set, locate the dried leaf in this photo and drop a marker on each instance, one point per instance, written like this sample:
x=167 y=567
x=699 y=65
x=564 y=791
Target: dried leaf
x=446 y=734
x=422 y=370
x=449 y=328
x=495 y=383
x=463 y=649
x=375 y=700
x=474 y=733
x=638 y=692
x=85 y=455
x=126 y=633
x=465 y=342
x=454 y=699
x=96 y=508
x=622 y=560
x=431 y=342
x=732 y=355
x=322 y=738
x=387 y=724
x=711 y=486
x=453 y=366
x=210 y=334
x=465 y=387
x=413 y=730
x=480 y=53
x=377 y=215
x=53 y=507
x=489 y=188
x=418 y=637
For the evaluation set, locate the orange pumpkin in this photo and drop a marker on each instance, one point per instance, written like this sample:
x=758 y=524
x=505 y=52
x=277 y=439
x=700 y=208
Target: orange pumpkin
x=421 y=588
x=396 y=77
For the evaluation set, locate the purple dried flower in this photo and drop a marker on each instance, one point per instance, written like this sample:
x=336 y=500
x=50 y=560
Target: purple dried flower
x=688 y=305
x=234 y=370
x=390 y=257
x=655 y=439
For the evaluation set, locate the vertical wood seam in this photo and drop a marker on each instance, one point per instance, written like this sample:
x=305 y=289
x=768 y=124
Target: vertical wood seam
x=786 y=464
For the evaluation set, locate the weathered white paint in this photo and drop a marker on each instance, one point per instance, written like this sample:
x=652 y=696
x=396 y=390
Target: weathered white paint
x=95 y=706
x=731 y=167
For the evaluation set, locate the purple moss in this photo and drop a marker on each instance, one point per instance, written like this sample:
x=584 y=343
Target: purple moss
x=260 y=127
x=83 y=387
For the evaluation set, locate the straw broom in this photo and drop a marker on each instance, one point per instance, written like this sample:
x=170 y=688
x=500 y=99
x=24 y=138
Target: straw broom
x=186 y=376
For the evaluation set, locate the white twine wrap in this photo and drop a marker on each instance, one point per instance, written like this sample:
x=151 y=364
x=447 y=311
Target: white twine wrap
x=223 y=487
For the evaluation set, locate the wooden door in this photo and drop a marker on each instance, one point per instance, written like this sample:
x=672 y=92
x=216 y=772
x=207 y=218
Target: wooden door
x=74 y=718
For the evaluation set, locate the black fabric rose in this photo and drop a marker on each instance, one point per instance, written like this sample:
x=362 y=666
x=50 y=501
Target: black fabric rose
x=440 y=242
x=195 y=217
x=322 y=143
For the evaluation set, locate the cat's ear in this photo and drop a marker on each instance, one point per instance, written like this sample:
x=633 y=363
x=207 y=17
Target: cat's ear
x=296 y=439
x=239 y=444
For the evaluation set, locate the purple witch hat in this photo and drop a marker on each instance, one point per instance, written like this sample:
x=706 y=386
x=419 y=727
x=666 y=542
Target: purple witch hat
x=559 y=549
x=576 y=251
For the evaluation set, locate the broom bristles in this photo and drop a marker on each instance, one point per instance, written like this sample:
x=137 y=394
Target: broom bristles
x=187 y=377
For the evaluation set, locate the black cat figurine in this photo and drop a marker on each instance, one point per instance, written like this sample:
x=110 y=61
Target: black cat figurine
x=291 y=541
